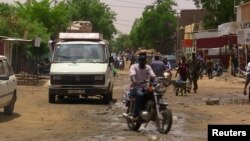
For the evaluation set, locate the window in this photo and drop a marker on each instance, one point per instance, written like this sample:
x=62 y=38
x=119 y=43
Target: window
x=2 y=72
x=82 y=53
x=6 y=67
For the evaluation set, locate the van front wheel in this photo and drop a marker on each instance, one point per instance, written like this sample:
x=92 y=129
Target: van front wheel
x=52 y=98
x=106 y=98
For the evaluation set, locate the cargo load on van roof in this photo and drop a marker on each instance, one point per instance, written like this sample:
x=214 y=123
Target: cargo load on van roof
x=80 y=31
x=80 y=27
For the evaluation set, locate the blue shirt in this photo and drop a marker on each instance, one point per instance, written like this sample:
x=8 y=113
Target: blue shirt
x=158 y=67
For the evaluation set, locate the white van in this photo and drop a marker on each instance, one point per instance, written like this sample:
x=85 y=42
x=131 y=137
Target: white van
x=81 y=67
x=8 y=86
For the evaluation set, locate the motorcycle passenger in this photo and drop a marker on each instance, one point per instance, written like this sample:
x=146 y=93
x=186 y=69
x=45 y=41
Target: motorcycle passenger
x=140 y=72
x=158 y=66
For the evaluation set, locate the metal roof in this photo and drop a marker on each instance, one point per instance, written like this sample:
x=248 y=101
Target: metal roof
x=13 y=39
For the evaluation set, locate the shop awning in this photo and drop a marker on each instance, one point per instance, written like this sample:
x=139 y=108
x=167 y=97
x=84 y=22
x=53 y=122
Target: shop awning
x=216 y=42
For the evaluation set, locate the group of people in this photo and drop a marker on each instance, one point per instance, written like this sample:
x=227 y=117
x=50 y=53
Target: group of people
x=189 y=70
x=141 y=71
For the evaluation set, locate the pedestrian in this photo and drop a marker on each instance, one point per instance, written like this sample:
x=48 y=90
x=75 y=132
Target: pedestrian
x=235 y=65
x=210 y=66
x=51 y=43
x=158 y=66
x=247 y=78
x=194 y=73
x=183 y=71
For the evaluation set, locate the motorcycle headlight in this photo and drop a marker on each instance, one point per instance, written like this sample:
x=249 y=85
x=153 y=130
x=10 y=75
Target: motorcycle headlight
x=160 y=88
x=166 y=74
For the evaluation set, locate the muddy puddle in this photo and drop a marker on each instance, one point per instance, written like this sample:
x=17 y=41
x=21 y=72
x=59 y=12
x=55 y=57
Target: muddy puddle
x=116 y=127
x=227 y=101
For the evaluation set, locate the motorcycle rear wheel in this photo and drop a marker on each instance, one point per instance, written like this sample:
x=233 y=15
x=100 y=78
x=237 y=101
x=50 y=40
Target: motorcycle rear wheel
x=164 y=125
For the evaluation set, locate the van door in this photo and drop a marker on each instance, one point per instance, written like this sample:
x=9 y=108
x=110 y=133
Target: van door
x=110 y=68
x=3 y=85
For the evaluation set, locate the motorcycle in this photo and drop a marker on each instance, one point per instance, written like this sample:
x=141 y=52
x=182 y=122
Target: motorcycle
x=153 y=108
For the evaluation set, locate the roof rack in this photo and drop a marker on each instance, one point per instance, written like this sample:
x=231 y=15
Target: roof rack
x=81 y=36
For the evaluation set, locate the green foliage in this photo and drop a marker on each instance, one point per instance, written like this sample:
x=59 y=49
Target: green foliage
x=4 y=30
x=220 y=11
x=42 y=18
x=6 y=19
x=121 y=43
x=99 y=14
x=156 y=25
x=54 y=18
x=6 y=10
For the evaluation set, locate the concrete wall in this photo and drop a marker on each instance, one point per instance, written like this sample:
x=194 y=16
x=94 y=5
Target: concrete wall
x=243 y=11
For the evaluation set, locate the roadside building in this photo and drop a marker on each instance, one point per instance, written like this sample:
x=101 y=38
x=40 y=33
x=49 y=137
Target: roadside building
x=14 y=50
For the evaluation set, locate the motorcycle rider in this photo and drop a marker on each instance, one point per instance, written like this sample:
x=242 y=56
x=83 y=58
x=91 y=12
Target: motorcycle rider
x=140 y=72
x=168 y=66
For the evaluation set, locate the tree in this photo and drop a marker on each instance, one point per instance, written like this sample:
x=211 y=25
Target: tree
x=121 y=43
x=6 y=19
x=54 y=18
x=220 y=11
x=42 y=19
x=156 y=25
x=99 y=14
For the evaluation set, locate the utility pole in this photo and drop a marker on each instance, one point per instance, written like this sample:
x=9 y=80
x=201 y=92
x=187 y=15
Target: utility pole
x=177 y=32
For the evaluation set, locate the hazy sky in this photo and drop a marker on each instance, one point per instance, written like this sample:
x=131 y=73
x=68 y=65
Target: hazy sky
x=128 y=10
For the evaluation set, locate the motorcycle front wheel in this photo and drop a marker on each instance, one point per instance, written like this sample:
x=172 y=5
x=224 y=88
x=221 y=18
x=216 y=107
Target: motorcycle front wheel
x=133 y=124
x=164 y=125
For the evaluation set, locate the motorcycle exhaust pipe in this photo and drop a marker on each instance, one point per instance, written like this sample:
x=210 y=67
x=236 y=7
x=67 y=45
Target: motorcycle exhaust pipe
x=125 y=115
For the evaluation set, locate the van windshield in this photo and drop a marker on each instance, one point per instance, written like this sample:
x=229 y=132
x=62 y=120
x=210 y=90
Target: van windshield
x=80 y=53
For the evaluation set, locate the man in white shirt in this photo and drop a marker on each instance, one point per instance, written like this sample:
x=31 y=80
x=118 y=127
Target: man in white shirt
x=139 y=73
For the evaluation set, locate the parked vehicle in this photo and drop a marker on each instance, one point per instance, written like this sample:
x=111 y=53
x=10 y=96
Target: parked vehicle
x=152 y=109
x=172 y=59
x=8 y=86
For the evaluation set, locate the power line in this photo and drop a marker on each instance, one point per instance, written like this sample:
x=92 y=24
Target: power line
x=125 y=6
x=123 y=24
x=132 y=2
x=135 y=7
x=126 y=20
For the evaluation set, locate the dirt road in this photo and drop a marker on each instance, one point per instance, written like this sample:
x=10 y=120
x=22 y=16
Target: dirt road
x=88 y=120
